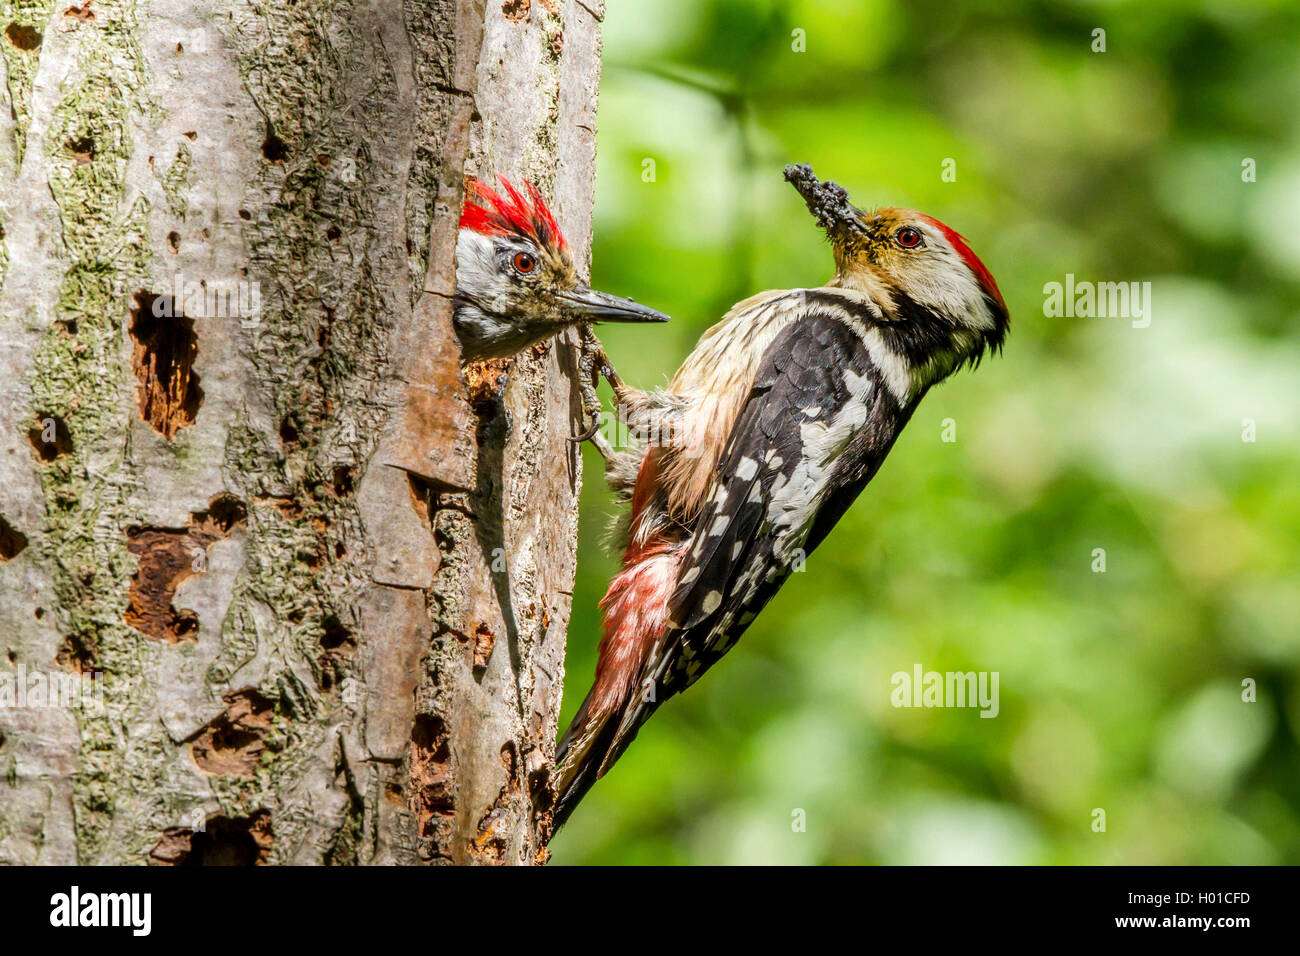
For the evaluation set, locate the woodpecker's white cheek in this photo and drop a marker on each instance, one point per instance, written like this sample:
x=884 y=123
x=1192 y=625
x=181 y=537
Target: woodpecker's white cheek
x=941 y=281
x=476 y=268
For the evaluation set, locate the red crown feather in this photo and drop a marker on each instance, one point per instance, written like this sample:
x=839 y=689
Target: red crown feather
x=981 y=271
x=495 y=214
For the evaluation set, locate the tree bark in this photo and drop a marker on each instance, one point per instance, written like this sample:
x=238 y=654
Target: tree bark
x=316 y=579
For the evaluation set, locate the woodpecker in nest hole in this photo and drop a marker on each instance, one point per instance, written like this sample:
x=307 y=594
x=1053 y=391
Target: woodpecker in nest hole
x=768 y=433
x=517 y=285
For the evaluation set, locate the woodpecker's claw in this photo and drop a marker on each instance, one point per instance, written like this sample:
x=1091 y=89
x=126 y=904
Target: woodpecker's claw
x=588 y=378
x=586 y=435
x=593 y=364
x=600 y=360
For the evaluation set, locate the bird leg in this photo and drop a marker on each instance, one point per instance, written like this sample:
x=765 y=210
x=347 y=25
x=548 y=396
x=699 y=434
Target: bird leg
x=592 y=364
x=600 y=359
x=588 y=378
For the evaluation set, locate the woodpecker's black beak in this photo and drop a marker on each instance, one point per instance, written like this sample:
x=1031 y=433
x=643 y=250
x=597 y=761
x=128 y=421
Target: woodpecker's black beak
x=587 y=305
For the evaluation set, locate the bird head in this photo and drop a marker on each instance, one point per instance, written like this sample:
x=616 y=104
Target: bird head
x=516 y=282
x=934 y=291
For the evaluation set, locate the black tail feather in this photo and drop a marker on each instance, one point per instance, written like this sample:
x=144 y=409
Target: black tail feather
x=576 y=770
x=590 y=746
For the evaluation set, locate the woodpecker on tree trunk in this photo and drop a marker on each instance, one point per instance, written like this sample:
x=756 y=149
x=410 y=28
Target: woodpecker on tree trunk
x=769 y=431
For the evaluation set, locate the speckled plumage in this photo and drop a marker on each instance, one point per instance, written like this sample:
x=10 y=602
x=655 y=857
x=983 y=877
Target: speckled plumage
x=770 y=430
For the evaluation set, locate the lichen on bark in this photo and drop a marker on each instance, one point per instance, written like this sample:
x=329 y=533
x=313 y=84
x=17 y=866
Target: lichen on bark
x=77 y=376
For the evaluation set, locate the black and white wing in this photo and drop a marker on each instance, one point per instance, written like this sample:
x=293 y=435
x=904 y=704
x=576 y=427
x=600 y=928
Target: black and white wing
x=815 y=428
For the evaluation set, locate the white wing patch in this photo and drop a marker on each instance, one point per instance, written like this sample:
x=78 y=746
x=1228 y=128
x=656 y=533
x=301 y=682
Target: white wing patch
x=794 y=502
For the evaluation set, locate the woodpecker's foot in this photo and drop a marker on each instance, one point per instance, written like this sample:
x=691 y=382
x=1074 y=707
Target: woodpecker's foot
x=587 y=434
x=588 y=377
x=603 y=365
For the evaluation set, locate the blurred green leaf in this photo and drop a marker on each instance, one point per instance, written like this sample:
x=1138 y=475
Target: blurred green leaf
x=1119 y=691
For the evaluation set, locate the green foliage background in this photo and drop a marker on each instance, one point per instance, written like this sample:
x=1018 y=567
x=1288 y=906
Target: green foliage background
x=1119 y=690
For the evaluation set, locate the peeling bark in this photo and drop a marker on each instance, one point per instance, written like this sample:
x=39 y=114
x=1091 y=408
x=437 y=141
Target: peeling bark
x=241 y=474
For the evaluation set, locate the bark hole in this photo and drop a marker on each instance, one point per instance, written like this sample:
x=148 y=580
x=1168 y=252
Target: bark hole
x=22 y=36
x=232 y=744
x=273 y=147
x=50 y=437
x=288 y=435
x=82 y=147
x=167 y=556
x=484 y=641
x=490 y=843
x=163 y=359
x=343 y=480
x=337 y=647
x=77 y=653
x=432 y=796
x=421 y=495
x=223 y=841
x=336 y=637
x=485 y=382
x=81 y=13
x=12 y=541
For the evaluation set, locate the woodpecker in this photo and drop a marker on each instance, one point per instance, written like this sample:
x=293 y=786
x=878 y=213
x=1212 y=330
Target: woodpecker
x=768 y=433
x=516 y=283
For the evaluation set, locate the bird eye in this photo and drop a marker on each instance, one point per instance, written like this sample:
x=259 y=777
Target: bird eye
x=908 y=238
x=524 y=263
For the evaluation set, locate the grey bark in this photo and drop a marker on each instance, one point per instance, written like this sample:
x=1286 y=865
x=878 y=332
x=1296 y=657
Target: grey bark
x=324 y=577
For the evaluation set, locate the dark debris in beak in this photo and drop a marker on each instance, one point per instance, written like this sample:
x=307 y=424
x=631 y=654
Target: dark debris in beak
x=828 y=201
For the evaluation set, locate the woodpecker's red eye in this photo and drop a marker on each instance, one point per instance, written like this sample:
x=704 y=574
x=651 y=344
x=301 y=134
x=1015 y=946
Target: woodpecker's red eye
x=523 y=262
x=908 y=238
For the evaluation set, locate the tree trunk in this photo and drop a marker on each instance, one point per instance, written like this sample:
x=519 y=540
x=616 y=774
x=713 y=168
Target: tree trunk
x=311 y=584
